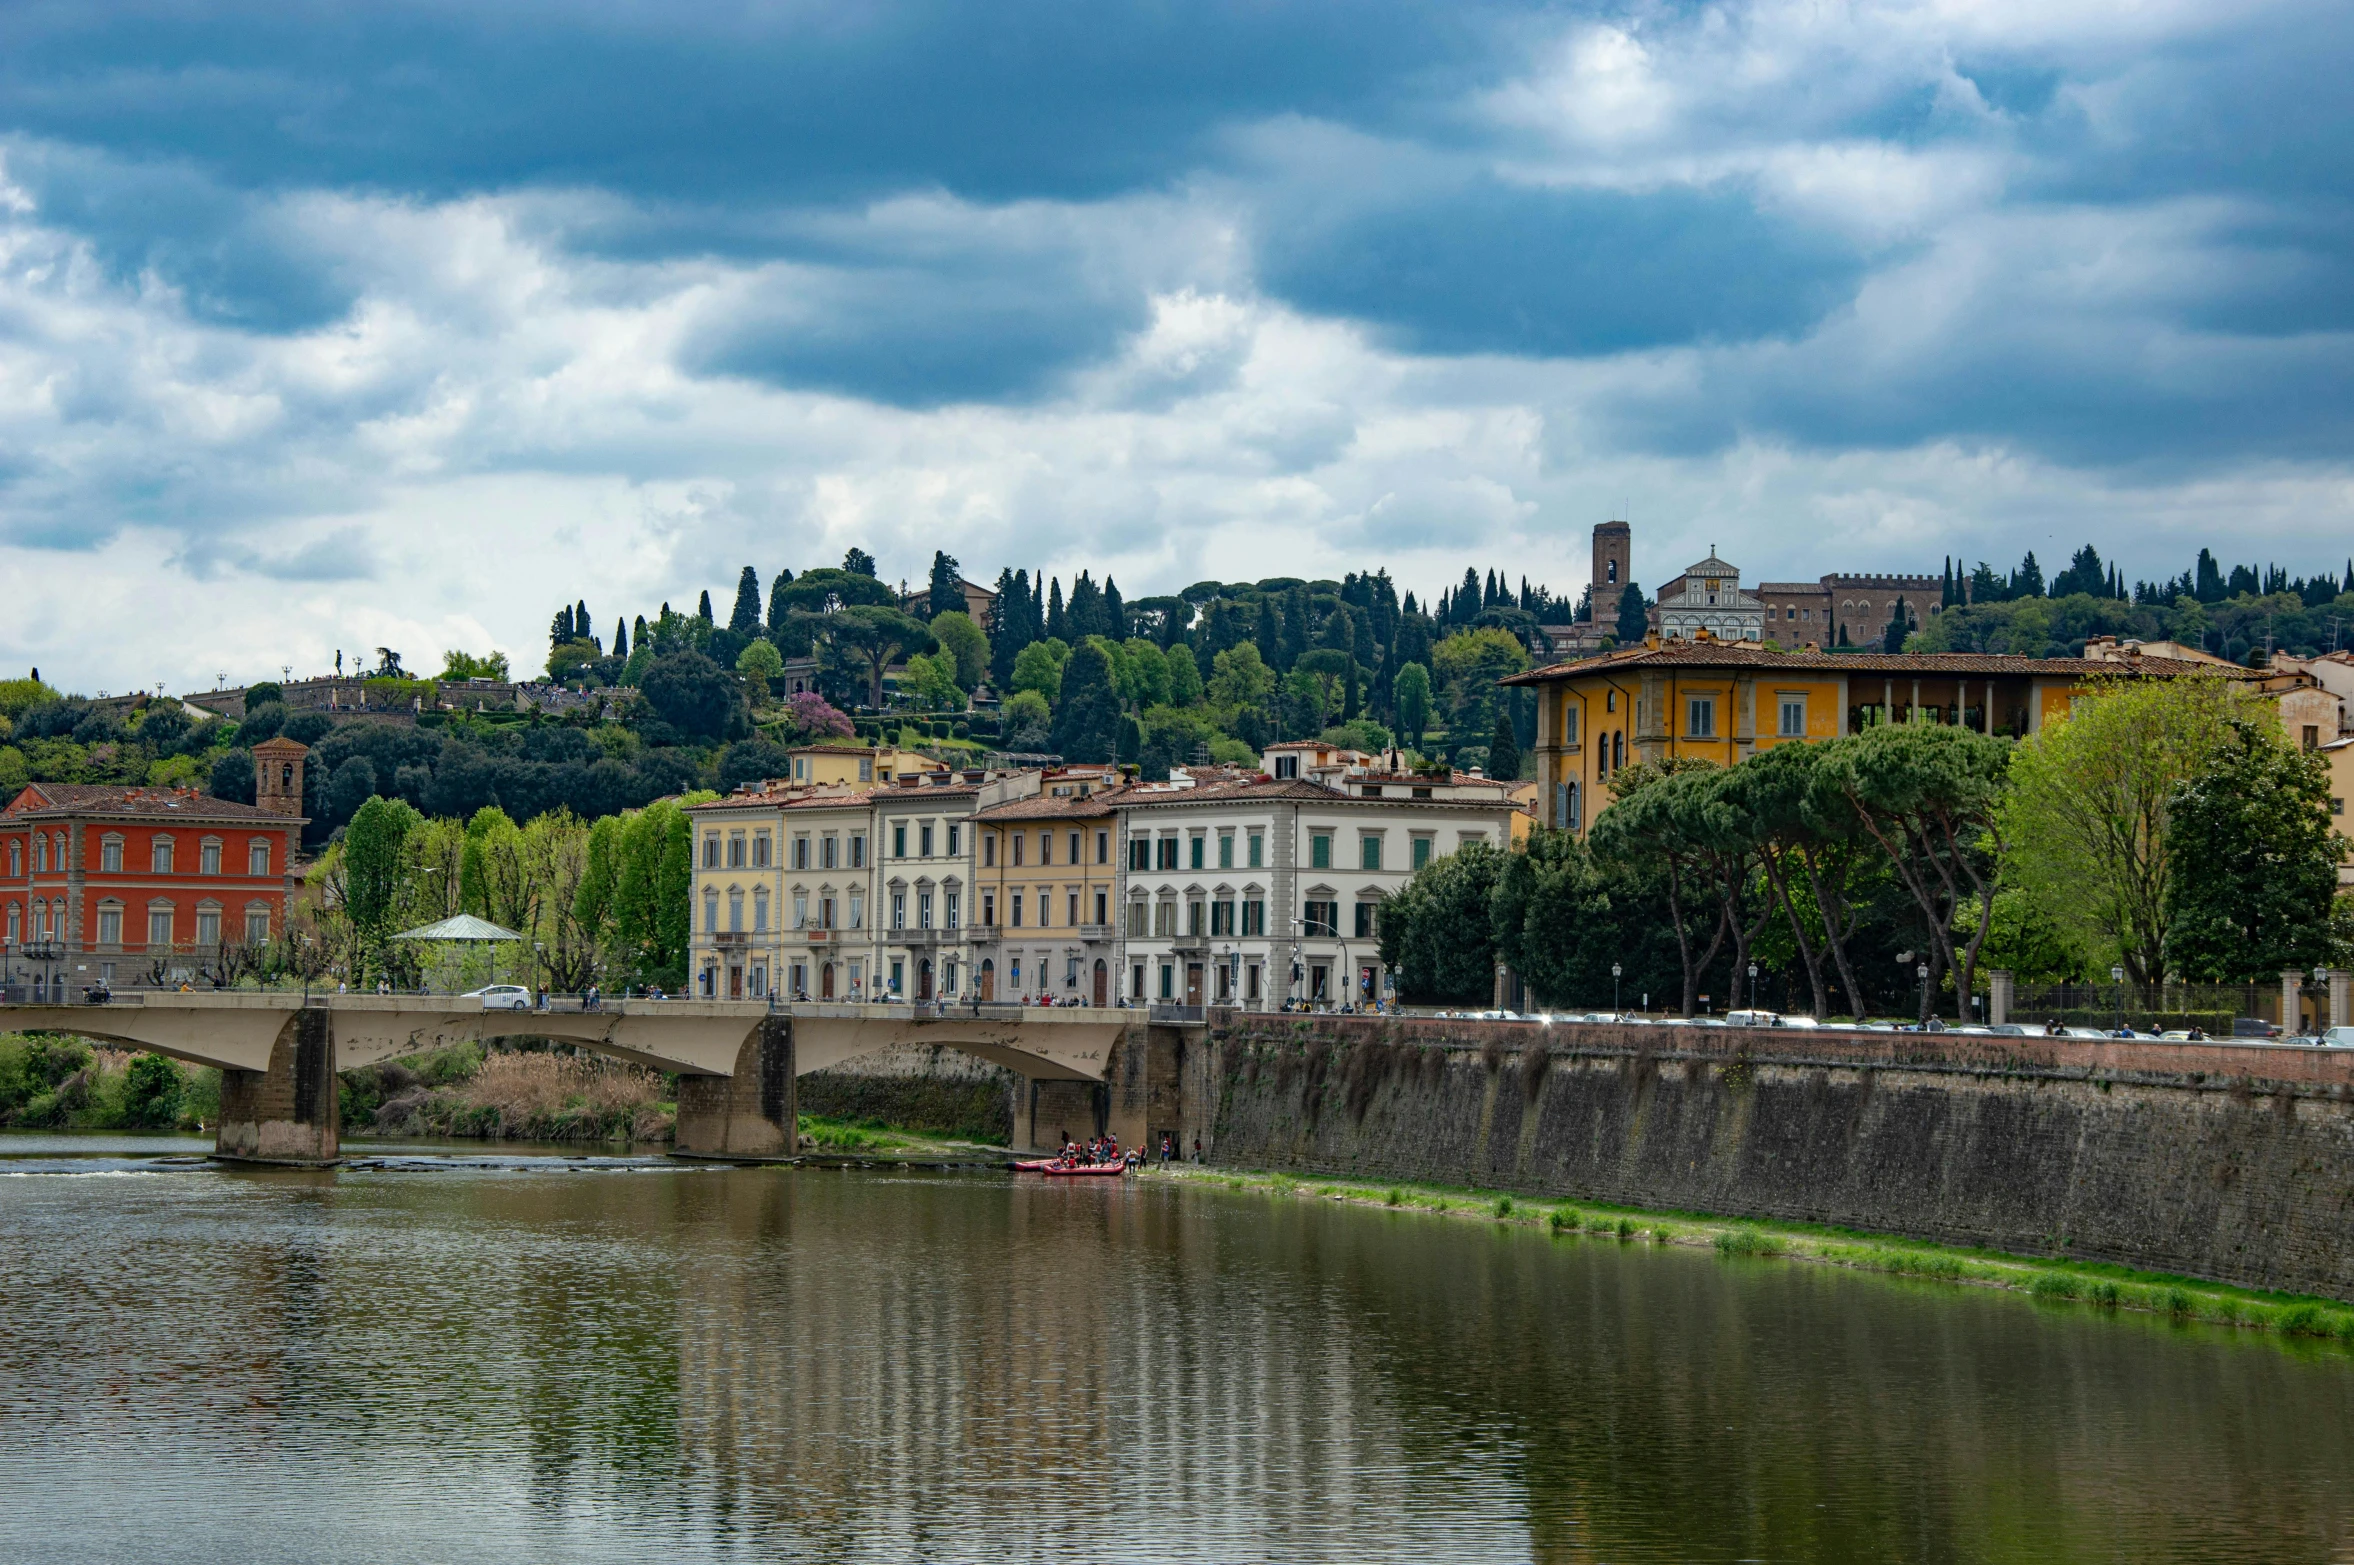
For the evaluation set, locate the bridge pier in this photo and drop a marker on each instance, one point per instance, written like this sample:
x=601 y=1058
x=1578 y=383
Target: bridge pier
x=753 y=1114
x=287 y=1112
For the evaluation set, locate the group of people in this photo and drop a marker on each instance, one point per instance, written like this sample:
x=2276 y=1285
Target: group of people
x=1100 y=1152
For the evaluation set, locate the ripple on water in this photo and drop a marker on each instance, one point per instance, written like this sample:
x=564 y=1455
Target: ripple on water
x=424 y=1357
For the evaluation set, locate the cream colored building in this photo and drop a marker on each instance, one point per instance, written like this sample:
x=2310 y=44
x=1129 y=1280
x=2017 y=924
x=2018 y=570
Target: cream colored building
x=922 y=888
x=815 y=765
x=782 y=887
x=1046 y=886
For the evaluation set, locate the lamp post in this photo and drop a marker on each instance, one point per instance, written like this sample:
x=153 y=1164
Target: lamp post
x=1923 y=972
x=1753 y=986
x=1615 y=970
x=2320 y=978
x=2117 y=979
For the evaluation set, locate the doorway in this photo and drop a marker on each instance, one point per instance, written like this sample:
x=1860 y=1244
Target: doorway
x=1193 y=983
x=1103 y=983
x=923 y=978
x=988 y=979
x=825 y=981
x=735 y=983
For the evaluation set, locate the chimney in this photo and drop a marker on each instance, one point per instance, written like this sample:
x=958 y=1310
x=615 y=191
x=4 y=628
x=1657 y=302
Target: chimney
x=277 y=776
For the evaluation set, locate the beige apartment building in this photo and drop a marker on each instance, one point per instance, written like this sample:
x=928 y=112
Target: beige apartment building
x=782 y=883
x=1045 y=885
x=923 y=880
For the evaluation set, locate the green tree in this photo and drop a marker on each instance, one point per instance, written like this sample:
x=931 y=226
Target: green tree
x=2086 y=822
x=1411 y=689
x=744 y=618
x=691 y=693
x=1634 y=619
x=1028 y=722
x=759 y=663
x=876 y=637
x=1552 y=920
x=153 y=1088
x=1185 y=675
x=465 y=665
x=1504 y=750
x=373 y=855
x=1087 y=714
x=1038 y=667
x=1466 y=667
x=652 y=892
x=964 y=641
x=594 y=899
x=1653 y=826
x=2256 y=895
x=1240 y=677
x=826 y=590
x=931 y=683
x=1437 y=931
x=946 y=595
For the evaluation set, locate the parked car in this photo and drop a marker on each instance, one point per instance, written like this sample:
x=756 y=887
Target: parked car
x=1752 y=1019
x=502 y=997
x=2337 y=1038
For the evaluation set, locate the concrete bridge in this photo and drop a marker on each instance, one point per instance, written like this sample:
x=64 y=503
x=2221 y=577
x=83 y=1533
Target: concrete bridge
x=736 y=1061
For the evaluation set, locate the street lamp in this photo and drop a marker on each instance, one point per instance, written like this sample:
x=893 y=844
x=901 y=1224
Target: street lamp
x=1753 y=986
x=1615 y=970
x=2117 y=977
x=1923 y=972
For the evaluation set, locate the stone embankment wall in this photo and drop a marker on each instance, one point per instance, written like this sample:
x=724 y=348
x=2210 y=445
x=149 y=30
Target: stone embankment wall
x=2234 y=1163
x=928 y=1088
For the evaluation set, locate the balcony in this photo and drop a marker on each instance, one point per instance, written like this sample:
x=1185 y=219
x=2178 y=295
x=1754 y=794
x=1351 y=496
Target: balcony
x=1097 y=933
x=731 y=938
x=923 y=939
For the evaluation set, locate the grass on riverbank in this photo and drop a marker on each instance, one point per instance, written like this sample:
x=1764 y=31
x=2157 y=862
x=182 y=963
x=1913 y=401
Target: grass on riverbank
x=826 y=1136
x=2093 y=1284
x=49 y=1081
x=509 y=1095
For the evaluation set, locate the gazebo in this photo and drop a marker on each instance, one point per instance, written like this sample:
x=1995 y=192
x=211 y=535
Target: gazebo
x=464 y=929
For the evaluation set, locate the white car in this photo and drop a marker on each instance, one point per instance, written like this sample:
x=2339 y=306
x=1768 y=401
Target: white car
x=2337 y=1038
x=502 y=997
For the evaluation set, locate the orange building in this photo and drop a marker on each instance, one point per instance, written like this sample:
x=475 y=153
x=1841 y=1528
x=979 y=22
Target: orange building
x=1722 y=701
x=132 y=886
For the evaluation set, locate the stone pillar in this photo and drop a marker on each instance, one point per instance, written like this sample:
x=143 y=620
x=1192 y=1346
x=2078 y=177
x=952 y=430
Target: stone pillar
x=2341 y=997
x=1998 y=996
x=751 y=1116
x=2292 y=991
x=289 y=1112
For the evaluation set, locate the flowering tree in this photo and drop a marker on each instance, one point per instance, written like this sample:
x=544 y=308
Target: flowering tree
x=813 y=715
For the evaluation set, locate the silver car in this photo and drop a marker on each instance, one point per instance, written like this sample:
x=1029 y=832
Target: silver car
x=502 y=997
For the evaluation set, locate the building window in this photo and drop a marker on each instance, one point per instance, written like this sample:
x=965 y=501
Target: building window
x=1135 y=920
x=1368 y=851
x=159 y=926
x=1168 y=853
x=988 y=850
x=1164 y=920
x=1101 y=905
x=1019 y=841
x=923 y=837
x=759 y=981
x=208 y=926
x=110 y=855
x=1287 y=766
x=711 y=912
x=1421 y=851
x=760 y=850
x=1045 y=907
x=1226 y=850
x=1569 y=721
x=16 y=918
x=898 y=910
x=898 y=974
x=988 y=910
x=1258 y=851
x=1222 y=917
x=857 y=913
x=899 y=839
x=1013 y=909
x=825 y=910
x=1139 y=854
x=923 y=908
x=735 y=910
x=1074 y=848
x=711 y=850
x=1254 y=917
x=1793 y=725
x=760 y=911
x=1103 y=847
x=949 y=908
x=2312 y=737
x=858 y=850
x=800 y=909
x=257 y=859
x=955 y=841
x=1045 y=847
x=208 y=857
x=1071 y=908
x=735 y=850
x=257 y=925
x=1168 y=982
x=110 y=925
x=1195 y=923
x=1320 y=850
x=1368 y=921
x=1195 y=853
x=40 y=857
x=1321 y=918
x=1700 y=717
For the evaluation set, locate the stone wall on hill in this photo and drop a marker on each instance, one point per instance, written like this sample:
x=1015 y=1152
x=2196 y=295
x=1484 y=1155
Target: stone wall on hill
x=2228 y=1162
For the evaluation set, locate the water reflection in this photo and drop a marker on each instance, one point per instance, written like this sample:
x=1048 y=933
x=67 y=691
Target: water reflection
x=411 y=1362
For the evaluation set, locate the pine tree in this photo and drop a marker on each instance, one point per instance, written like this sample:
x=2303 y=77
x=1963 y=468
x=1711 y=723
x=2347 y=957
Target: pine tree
x=1295 y=627
x=621 y=640
x=1268 y=633
x=1037 y=610
x=745 y=618
x=703 y=609
x=1084 y=616
x=560 y=628
x=1009 y=626
x=776 y=603
x=1892 y=639
x=1467 y=603
x=1634 y=622
x=1057 y=623
x=859 y=563
x=947 y=589
x=1504 y=750
x=1115 y=612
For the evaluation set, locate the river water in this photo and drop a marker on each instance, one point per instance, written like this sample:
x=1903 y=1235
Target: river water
x=451 y=1356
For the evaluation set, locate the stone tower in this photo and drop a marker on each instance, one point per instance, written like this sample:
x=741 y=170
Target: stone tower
x=1613 y=567
x=277 y=776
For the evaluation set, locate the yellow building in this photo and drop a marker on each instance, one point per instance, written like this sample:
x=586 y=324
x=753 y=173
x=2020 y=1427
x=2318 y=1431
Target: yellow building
x=1046 y=887
x=1722 y=702
x=855 y=765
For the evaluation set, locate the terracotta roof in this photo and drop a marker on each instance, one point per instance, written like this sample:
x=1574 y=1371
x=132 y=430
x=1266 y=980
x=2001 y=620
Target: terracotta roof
x=1046 y=807
x=897 y=789
x=803 y=798
x=1720 y=654
x=52 y=799
x=1288 y=791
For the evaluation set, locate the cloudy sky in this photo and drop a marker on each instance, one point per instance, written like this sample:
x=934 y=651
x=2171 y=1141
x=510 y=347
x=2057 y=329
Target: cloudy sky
x=326 y=326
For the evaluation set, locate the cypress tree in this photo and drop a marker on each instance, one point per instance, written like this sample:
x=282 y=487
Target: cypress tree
x=1009 y=630
x=776 y=604
x=1057 y=624
x=1038 y=608
x=620 y=639
x=703 y=609
x=1295 y=626
x=1504 y=750
x=947 y=592
x=1114 y=610
x=745 y=618
x=560 y=628
x=1268 y=633
x=1633 y=621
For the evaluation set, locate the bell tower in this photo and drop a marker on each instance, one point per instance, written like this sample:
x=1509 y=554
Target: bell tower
x=1613 y=567
x=277 y=776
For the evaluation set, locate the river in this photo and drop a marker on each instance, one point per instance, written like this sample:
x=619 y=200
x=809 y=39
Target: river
x=444 y=1355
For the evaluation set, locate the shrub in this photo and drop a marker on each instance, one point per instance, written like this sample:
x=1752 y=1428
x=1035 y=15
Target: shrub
x=1396 y=1198
x=1747 y=1241
x=2052 y=1285
x=1563 y=1221
x=1503 y=1206
x=1626 y=1229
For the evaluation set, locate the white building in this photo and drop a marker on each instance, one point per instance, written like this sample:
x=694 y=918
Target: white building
x=924 y=878
x=1255 y=892
x=1708 y=597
